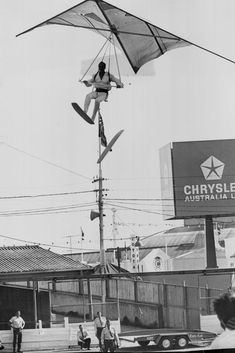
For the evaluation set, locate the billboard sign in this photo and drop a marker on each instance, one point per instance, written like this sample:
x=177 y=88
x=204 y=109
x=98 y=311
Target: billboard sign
x=167 y=192
x=203 y=178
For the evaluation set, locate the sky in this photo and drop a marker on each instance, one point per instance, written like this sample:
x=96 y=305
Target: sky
x=48 y=155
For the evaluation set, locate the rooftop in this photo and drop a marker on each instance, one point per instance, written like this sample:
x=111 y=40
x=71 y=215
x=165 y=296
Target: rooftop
x=33 y=258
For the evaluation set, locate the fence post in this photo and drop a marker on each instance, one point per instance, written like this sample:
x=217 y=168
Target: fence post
x=207 y=299
x=136 y=291
x=165 y=304
x=54 y=285
x=40 y=324
x=50 y=304
x=91 y=313
x=107 y=292
x=66 y=322
x=81 y=288
x=117 y=295
x=35 y=302
x=185 y=305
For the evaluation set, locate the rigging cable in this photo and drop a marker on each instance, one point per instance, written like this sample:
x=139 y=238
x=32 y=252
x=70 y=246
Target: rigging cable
x=107 y=40
x=119 y=75
x=45 y=161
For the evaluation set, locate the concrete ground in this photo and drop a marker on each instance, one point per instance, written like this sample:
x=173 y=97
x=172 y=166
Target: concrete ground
x=125 y=347
x=72 y=350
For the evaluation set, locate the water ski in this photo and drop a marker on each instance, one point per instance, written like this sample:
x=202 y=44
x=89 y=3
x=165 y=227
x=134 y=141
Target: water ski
x=110 y=145
x=81 y=112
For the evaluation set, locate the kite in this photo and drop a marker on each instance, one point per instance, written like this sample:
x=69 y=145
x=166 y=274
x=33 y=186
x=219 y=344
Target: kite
x=138 y=39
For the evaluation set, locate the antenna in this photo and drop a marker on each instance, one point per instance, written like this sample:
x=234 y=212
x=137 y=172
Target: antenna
x=70 y=241
x=115 y=229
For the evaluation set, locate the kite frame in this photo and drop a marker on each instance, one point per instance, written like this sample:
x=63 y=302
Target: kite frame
x=115 y=31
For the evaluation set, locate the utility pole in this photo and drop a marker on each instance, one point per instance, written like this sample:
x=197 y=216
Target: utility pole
x=100 y=199
x=101 y=207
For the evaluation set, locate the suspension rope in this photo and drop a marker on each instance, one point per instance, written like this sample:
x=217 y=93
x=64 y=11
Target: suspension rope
x=115 y=52
x=107 y=40
x=109 y=61
x=108 y=46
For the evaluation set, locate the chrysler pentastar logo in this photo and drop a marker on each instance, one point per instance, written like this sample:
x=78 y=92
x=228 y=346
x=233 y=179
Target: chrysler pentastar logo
x=212 y=168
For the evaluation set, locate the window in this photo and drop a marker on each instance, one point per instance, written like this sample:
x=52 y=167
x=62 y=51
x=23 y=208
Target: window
x=157 y=262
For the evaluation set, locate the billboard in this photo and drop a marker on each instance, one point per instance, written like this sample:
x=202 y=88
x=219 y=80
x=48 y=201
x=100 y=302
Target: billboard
x=167 y=191
x=203 y=179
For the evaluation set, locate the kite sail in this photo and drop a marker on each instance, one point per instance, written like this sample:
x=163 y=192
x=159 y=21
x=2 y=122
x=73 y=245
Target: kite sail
x=140 y=40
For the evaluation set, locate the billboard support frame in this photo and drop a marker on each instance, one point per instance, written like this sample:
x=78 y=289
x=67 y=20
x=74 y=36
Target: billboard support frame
x=211 y=260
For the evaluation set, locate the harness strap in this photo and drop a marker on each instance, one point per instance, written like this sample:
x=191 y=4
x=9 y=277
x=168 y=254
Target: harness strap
x=101 y=90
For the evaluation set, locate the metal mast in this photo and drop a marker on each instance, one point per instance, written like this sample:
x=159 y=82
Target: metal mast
x=100 y=205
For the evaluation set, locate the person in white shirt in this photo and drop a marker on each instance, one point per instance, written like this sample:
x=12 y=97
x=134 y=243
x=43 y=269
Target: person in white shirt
x=109 y=338
x=225 y=309
x=101 y=82
x=84 y=340
x=17 y=323
x=99 y=324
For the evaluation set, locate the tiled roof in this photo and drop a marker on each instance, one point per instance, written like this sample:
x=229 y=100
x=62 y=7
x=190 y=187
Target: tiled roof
x=188 y=241
x=199 y=253
x=171 y=239
x=110 y=269
x=94 y=256
x=34 y=258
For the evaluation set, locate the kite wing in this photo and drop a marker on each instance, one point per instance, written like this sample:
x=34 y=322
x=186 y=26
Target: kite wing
x=140 y=40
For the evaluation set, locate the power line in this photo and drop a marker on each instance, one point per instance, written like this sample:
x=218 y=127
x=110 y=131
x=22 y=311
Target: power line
x=45 y=195
x=45 y=161
x=166 y=177
x=48 y=210
x=136 y=209
x=186 y=205
x=39 y=244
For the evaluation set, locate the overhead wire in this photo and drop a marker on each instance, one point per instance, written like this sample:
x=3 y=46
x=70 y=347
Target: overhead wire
x=47 y=210
x=45 y=161
x=137 y=209
x=45 y=195
x=41 y=244
x=127 y=225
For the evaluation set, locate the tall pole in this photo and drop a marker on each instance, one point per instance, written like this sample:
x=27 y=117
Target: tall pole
x=101 y=223
x=100 y=198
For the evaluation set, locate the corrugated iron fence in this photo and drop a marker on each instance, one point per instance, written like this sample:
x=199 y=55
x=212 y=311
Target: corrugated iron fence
x=136 y=302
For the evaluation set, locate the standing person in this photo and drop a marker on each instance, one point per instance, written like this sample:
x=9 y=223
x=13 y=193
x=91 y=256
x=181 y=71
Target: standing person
x=109 y=338
x=101 y=82
x=225 y=309
x=99 y=324
x=17 y=323
x=84 y=340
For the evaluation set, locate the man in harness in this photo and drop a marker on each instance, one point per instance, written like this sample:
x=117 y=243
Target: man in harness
x=101 y=82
